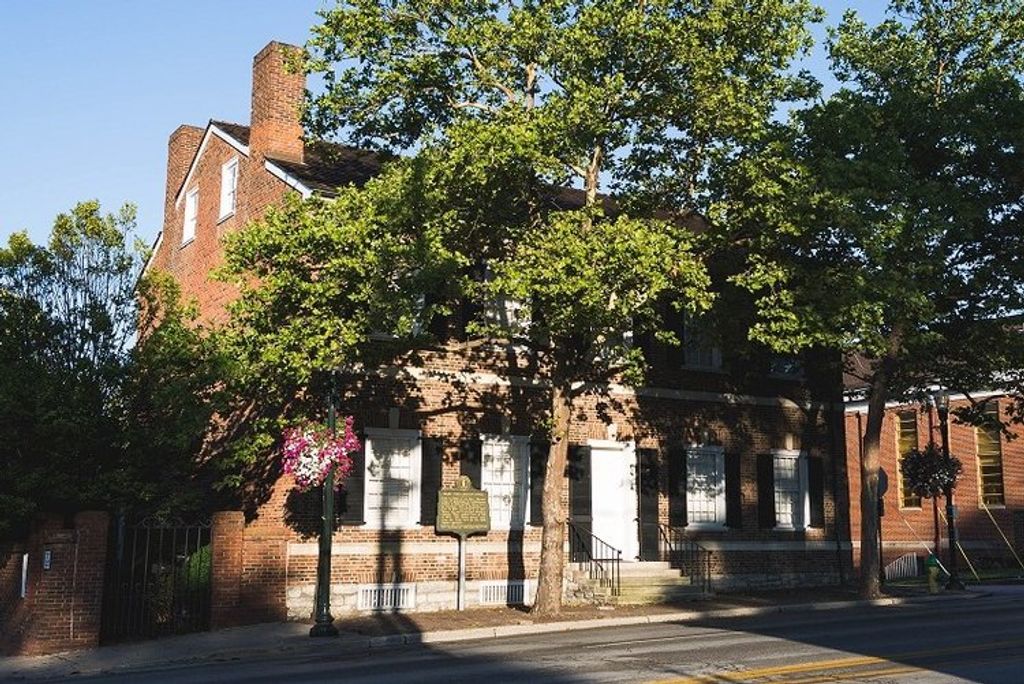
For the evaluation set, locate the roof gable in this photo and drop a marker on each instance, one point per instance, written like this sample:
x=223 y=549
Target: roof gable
x=235 y=135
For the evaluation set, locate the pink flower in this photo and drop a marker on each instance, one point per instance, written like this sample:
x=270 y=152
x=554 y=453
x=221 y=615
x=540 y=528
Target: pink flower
x=309 y=452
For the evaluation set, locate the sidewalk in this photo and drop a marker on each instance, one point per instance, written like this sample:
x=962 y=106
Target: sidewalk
x=387 y=631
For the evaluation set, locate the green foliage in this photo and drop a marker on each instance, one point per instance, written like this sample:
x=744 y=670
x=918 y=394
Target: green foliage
x=86 y=419
x=590 y=288
x=903 y=192
x=927 y=473
x=650 y=95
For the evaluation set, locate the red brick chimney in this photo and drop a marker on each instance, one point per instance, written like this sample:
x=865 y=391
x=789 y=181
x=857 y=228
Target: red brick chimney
x=181 y=148
x=277 y=96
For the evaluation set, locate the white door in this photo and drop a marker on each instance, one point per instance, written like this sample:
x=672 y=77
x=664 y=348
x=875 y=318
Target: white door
x=613 y=495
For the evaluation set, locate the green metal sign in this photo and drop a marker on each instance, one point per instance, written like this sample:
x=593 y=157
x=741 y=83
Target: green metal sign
x=462 y=510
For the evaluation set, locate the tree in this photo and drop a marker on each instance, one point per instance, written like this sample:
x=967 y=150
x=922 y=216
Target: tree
x=317 y=279
x=901 y=197
x=509 y=103
x=73 y=381
x=927 y=473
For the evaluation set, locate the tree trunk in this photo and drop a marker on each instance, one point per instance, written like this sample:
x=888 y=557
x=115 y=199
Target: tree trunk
x=552 y=548
x=869 y=521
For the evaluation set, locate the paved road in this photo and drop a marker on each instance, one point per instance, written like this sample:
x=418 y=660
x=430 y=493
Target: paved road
x=976 y=640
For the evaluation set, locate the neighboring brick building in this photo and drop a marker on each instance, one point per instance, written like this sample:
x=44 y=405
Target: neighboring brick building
x=989 y=495
x=749 y=462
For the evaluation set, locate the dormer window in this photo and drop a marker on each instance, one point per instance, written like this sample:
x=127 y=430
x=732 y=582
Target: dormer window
x=228 y=188
x=188 y=229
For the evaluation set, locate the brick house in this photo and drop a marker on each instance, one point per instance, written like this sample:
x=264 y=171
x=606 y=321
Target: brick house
x=746 y=462
x=989 y=495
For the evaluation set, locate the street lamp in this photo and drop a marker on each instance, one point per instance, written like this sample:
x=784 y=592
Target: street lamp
x=941 y=398
x=324 y=626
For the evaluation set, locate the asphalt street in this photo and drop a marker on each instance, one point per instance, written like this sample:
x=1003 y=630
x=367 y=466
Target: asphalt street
x=978 y=640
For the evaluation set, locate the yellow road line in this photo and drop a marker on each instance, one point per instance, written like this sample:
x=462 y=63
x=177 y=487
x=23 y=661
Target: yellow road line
x=836 y=663
x=902 y=669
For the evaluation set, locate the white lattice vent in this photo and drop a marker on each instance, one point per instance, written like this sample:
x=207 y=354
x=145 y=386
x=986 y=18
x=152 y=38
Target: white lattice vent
x=387 y=597
x=503 y=593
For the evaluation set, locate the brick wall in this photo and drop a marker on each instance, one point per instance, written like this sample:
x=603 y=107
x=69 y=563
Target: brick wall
x=910 y=530
x=278 y=566
x=62 y=610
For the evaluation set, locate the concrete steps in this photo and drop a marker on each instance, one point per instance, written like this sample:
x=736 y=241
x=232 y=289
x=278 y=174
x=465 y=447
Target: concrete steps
x=649 y=583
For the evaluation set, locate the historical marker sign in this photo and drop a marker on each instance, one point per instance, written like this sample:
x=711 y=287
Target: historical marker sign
x=462 y=510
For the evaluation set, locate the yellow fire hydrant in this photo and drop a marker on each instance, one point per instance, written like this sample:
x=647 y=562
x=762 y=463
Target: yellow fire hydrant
x=933 y=573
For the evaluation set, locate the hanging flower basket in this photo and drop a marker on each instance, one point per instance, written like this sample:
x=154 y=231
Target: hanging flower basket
x=310 y=452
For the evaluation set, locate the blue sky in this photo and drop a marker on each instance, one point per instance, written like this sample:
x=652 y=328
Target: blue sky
x=93 y=89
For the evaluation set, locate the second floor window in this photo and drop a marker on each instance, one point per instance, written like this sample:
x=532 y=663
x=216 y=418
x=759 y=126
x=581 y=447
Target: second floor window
x=188 y=230
x=907 y=441
x=228 y=188
x=698 y=352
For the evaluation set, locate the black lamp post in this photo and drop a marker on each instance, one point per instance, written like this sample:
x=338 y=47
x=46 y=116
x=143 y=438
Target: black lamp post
x=942 y=405
x=324 y=626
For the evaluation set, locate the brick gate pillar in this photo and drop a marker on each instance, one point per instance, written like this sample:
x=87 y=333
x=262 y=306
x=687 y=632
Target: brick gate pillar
x=226 y=538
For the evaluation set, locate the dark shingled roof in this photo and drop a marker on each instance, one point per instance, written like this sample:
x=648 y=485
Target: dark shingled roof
x=328 y=166
x=236 y=131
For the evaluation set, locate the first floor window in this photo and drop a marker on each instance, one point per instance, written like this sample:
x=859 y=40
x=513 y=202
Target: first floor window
x=990 y=461
x=790 y=481
x=392 y=478
x=907 y=442
x=705 y=485
x=504 y=475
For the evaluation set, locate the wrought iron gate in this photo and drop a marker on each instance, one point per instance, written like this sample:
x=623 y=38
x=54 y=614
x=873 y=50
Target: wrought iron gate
x=158 y=579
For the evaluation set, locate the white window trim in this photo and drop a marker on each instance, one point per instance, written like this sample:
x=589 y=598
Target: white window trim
x=720 y=508
x=227 y=212
x=524 y=495
x=804 y=492
x=415 y=476
x=185 y=236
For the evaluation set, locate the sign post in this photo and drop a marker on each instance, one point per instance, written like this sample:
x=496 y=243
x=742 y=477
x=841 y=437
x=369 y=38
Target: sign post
x=462 y=510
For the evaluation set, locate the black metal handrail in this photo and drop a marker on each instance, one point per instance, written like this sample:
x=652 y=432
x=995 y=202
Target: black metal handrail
x=601 y=561
x=692 y=558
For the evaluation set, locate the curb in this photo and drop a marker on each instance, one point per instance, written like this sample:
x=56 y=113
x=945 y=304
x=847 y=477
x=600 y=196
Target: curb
x=452 y=636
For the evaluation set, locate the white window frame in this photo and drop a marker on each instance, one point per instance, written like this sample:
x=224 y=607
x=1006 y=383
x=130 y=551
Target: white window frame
x=511 y=441
x=228 y=188
x=802 y=510
x=415 y=476
x=718 y=452
x=191 y=220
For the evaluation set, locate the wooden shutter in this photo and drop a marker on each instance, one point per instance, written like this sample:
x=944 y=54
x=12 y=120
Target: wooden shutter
x=430 y=478
x=765 y=491
x=816 y=491
x=578 y=467
x=647 y=491
x=350 y=497
x=539 y=452
x=471 y=460
x=733 y=492
x=677 y=485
